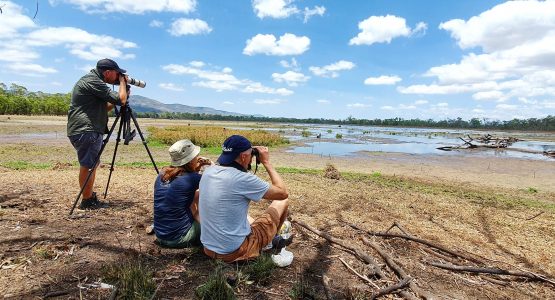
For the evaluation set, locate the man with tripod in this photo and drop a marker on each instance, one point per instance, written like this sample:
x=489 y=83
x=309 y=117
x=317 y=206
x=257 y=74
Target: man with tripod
x=91 y=100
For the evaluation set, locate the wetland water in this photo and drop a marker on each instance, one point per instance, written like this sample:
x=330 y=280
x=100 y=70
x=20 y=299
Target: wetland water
x=356 y=140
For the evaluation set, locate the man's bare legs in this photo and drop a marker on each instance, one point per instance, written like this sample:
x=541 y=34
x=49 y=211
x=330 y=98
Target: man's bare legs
x=281 y=207
x=83 y=173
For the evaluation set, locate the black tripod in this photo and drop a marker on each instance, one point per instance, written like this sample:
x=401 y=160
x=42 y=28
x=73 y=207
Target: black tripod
x=125 y=114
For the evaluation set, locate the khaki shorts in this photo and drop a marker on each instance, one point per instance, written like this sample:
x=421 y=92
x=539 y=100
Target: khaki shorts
x=263 y=230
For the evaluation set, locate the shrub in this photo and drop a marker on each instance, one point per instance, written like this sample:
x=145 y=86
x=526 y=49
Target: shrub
x=216 y=287
x=132 y=278
x=338 y=136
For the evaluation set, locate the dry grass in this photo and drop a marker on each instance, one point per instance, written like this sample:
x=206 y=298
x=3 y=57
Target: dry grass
x=211 y=136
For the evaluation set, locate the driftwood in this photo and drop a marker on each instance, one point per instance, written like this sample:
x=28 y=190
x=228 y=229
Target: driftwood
x=418 y=240
x=375 y=268
x=489 y=141
x=392 y=288
x=497 y=271
x=398 y=270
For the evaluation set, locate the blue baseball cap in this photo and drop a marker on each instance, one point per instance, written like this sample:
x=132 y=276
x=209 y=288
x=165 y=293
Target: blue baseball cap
x=232 y=147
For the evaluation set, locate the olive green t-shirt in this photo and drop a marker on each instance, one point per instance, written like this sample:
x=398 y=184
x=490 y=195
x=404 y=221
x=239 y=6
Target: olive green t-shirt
x=87 y=112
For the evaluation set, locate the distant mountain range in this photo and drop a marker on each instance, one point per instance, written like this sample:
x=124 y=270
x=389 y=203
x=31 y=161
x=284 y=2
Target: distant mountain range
x=144 y=104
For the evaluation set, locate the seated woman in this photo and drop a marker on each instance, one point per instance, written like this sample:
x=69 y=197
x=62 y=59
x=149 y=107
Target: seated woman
x=176 y=220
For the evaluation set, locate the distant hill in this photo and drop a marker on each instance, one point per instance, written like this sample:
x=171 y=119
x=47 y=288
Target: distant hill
x=144 y=104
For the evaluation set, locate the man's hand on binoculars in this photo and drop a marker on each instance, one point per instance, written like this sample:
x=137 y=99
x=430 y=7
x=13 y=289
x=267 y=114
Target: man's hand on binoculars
x=264 y=154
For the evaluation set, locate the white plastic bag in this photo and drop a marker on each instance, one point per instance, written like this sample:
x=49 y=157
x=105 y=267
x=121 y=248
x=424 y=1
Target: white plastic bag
x=283 y=259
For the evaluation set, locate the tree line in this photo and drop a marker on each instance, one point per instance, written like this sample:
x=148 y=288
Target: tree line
x=17 y=100
x=539 y=124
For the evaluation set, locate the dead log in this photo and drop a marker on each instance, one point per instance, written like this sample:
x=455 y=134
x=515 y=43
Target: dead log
x=397 y=269
x=375 y=268
x=496 y=271
x=420 y=241
x=392 y=288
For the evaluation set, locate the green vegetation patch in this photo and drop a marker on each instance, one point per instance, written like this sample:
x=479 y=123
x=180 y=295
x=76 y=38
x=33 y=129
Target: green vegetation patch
x=212 y=136
x=216 y=286
x=25 y=165
x=260 y=269
x=133 y=279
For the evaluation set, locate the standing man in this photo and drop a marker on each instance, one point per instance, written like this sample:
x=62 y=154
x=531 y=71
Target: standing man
x=87 y=120
x=227 y=232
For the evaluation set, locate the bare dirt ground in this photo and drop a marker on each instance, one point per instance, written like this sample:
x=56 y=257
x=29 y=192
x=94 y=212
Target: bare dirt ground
x=500 y=210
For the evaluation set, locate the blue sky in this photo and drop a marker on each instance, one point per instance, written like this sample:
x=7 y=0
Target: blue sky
x=304 y=58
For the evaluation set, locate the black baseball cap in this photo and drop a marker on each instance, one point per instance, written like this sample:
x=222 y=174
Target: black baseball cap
x=108 y=64
x=233 y=146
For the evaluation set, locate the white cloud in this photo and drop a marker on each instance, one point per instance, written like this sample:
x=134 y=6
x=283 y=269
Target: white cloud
x=156 y=23
x=186 y=26
x=331 y=70
x=228 y=103
x=382 y=80
x=80 y=43
x=268 y=101
x=420 y=102
x=256 y=87
x=280 y=9
x=132 y=6
x=358 y=105
x=277 y=9
x=31 y=69
x=382 y=29
x=506 y=106
x=323 y=101
x=488 y=95
x=17 y=53
x=288 y=44
x=197 y=64
x=289 y=65
x=387 y=107
x=517 y=56
x=222 y=80
x=442 y=104
x=478 y=110
x=12 y=20
x=405 y=106
x=316 y=11
x=548 y=104
x=290 y=78
x=171 y=87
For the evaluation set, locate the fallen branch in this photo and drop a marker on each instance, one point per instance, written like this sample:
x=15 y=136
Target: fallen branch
x=497 y=271
x=375 y=268
x=358 y=274
x=418 y=240
x=397 y=269
x=392 y=288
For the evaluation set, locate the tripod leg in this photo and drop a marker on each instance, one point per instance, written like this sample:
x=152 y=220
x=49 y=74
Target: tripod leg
x=143 y=139
x=96 y=160
x=118 y=139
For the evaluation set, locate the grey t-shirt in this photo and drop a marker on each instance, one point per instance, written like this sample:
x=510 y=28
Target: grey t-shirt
x=87 y=112
x=225 y=194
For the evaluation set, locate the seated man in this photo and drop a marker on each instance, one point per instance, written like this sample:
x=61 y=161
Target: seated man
x=225 y=194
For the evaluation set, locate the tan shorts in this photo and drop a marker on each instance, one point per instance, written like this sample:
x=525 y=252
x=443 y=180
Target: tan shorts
x=263 y=230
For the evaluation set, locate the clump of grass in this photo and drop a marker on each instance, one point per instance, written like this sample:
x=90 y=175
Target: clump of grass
x=302 y=290
x=532 y=190
x=216 y=287
x=305 y=133
x=132 y=278
x=44 y=252
x=331 y=172
x=338 y=136
x=376 y=174
x=260 y=269
x=212 y=136
x=329 y=131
